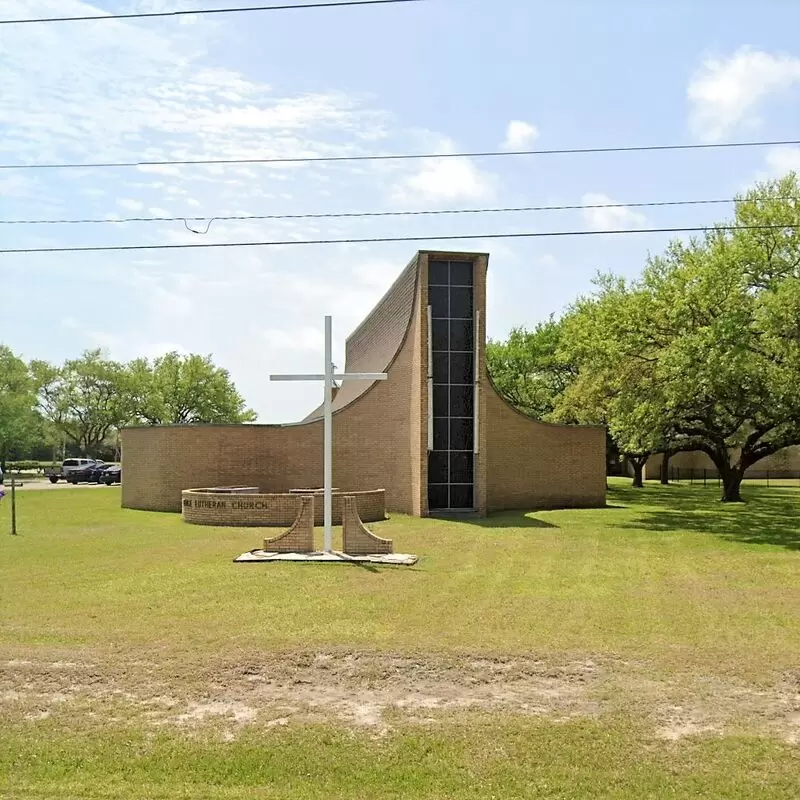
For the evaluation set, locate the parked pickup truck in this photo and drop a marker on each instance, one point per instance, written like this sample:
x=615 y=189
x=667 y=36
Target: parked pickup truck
x=72 y=470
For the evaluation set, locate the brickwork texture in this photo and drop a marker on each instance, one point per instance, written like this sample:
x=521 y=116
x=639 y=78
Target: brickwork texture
x=300 y=536
x=380 y=431
x=357 y=540
x=207 y=507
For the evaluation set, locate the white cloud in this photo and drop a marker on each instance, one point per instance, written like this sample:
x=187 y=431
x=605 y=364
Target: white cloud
x=158 y=349
x=375 y=272
x=13 y=185
x=781 y=160
x=547 y=262
x=520 y=135
x=91 y=338
x=130 y=204
x=609 y=218
x=726 y=93
x=445 y=180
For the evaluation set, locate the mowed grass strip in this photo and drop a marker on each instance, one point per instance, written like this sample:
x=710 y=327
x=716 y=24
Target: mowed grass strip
x=480 y=757
x=664 y=575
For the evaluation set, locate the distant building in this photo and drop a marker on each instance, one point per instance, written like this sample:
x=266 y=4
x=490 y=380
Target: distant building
x=694 y=463
x=436 y=435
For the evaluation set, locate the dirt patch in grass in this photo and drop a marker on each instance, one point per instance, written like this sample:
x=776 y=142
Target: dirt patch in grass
x=378 y=691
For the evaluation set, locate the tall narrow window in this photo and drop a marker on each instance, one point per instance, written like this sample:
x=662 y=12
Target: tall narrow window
x=451 y=462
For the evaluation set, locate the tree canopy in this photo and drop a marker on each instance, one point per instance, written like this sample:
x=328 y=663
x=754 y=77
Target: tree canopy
x=701 y=352
x=181 y=390
x=87 y=400
x=18 y=420
x=527 y=369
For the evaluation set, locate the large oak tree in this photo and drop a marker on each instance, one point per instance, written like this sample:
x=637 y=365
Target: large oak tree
x=86 y=398
x=185 y=390
x=703 y=351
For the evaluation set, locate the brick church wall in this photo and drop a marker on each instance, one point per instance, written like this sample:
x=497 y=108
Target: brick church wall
x=159 y=462
x=533 y=465
x=380 y=432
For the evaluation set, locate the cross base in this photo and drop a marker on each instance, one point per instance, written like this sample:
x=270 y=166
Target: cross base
x=332 y=557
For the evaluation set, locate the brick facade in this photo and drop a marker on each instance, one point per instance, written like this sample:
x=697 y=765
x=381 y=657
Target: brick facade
x=357 y=540
x=553 y=464
x=300 y=536
x=380 y=430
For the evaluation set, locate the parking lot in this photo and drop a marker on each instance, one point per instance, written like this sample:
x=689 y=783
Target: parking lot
x=42 y=484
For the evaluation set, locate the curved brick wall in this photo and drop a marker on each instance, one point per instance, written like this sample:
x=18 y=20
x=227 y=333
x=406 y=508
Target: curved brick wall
x=243 y=509
x=531 y=464
x=373 y=346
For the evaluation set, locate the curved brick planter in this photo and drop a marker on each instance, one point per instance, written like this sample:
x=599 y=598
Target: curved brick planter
x=243 y=507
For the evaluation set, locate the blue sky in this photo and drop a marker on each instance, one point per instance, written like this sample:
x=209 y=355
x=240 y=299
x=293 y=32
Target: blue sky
x=436 y=76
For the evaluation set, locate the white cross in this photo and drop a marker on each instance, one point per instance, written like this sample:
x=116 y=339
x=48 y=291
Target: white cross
x=329 y=377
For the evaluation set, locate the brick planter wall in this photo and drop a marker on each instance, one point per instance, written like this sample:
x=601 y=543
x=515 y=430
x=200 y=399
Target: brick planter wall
x=233 y=509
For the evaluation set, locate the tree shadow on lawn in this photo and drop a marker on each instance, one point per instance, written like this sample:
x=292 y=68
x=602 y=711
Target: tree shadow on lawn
x=769 y=516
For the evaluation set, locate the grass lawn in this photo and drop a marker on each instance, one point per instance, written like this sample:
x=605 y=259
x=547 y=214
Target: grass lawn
x=649 y=649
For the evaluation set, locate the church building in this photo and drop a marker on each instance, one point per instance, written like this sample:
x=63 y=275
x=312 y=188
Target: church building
x=436 y=435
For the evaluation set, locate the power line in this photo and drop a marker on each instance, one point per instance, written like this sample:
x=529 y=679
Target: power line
x=366 y=214
x=243 y=9
x=402 y=156
x=386 y=239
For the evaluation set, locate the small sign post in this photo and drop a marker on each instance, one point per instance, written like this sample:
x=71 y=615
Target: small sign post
x=13 y=506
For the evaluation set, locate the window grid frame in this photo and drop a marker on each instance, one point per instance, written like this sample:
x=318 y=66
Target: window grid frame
x=449 y=384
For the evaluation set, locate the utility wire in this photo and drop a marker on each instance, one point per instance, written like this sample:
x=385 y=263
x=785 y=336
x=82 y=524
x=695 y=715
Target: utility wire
x=377 y=240
x=401 y=156
x=365 y=214
x=184 y=13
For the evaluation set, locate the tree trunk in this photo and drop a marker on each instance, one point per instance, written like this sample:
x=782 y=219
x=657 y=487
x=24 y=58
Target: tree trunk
x=638 y=470
x=665 y=469
x=731 y=484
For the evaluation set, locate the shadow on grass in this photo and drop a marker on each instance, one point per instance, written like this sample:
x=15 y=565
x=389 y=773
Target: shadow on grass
x=507 y=519
x=379 y=569
x=769 y=516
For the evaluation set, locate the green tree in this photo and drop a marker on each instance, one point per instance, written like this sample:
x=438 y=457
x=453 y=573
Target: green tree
x=18 y=421
x=533 y=371
x=185 y=390
x=88 y=398
x=703 y=351
x=528 y=370
x=607 y=368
